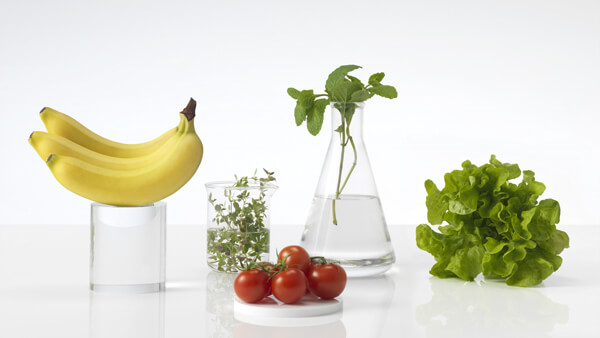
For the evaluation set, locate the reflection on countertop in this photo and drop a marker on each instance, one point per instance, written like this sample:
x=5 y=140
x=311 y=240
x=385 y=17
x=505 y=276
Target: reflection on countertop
x=127 y=315
x=329 y=330
x=458 y=308
x=219 y=304
x=367 y=301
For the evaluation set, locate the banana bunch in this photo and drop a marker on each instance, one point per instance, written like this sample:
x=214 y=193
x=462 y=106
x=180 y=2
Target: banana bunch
x=116 y=173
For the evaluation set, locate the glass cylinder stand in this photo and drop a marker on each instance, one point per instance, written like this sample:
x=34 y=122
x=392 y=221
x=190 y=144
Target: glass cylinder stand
x=128 y=248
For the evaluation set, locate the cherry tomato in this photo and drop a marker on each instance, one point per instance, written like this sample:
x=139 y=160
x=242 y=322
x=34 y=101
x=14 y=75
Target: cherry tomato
x=251 y=285
x=295 y=257
x=326 y=280
x=289 y=285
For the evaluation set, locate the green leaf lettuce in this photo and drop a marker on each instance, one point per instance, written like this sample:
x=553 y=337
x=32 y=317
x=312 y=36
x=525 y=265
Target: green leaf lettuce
x=491 y=225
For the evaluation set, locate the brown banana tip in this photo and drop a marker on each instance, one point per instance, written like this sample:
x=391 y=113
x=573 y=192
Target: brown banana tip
x=190 y=110
x=31 y=135
x=41 y=111
x=49 y=158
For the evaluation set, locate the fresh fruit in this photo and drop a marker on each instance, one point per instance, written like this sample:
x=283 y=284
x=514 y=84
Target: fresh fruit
x=46 y=144
x=295 y=256
x=167 y=172
x=251 y=285
x=326 y=281
x=289 y=285
x=63 y=125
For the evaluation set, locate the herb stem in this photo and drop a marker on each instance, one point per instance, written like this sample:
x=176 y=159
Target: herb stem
x=353 y=164
x=339 y=181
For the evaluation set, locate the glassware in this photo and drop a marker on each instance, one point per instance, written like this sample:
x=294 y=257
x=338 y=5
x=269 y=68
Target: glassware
x=238 y=224
x=346 y=222
x=128 y=248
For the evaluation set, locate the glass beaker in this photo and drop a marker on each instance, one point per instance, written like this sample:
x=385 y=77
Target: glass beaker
x=346 y=222
x=238 y=220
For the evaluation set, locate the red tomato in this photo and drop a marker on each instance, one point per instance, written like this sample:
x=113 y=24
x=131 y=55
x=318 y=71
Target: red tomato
x=251 y=285
x=289 y=285
x=295 y=257
x=326 y=280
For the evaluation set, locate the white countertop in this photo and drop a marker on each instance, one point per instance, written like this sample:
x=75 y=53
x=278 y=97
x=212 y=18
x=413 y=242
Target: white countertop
x=44 y=293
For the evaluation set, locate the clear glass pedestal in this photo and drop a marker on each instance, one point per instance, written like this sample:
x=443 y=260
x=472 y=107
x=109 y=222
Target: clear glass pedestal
x=128 y=248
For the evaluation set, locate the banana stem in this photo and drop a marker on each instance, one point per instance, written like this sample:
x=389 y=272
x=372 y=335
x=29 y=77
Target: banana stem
x=190 y=110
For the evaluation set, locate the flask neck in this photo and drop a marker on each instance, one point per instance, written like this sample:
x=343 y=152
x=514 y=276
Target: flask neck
x=347 y=120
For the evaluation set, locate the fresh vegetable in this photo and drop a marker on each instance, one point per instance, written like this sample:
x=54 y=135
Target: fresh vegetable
x=326 y=281
x=345 y=92
x=492 y=225
x=296 y=257
x=243 y=237
x=289 y=285
x=252 y=285
x=286 y=281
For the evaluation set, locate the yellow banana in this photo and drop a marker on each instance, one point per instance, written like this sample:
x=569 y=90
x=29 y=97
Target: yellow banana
x=134 y=187
x=63 y=125
x=46 y=144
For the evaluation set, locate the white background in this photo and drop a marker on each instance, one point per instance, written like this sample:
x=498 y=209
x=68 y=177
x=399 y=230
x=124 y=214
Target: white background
x=520 y=79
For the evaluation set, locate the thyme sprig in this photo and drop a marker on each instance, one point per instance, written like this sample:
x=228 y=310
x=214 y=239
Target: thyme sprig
x=242 y=236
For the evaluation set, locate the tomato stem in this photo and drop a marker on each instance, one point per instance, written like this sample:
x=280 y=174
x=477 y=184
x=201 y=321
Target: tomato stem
x=318 y=259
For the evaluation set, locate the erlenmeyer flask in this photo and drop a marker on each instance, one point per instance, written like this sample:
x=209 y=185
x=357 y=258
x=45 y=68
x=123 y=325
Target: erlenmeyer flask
x=346 y=222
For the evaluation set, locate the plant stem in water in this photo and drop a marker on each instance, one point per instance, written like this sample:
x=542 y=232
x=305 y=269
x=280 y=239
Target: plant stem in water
x=339 y=181
x=353 y=164
x=345 y=137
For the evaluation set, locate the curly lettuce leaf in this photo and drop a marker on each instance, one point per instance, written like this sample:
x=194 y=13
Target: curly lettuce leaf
x=489 y=224
x=455 y=255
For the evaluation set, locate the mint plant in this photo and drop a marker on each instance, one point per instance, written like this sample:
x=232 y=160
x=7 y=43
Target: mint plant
x=243 y=235
x=345 y=92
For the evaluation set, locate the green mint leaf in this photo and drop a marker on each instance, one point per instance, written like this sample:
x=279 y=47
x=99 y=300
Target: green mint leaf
x=337 y=76
x=299 y=113
x=306 y=99
x=360 y=95
x=293 y=92
x=339 y=129
x=384 y=91
x=314 y=120
x=376 y=78
x=342 y=92
x=349 y=112
x=356 y=80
